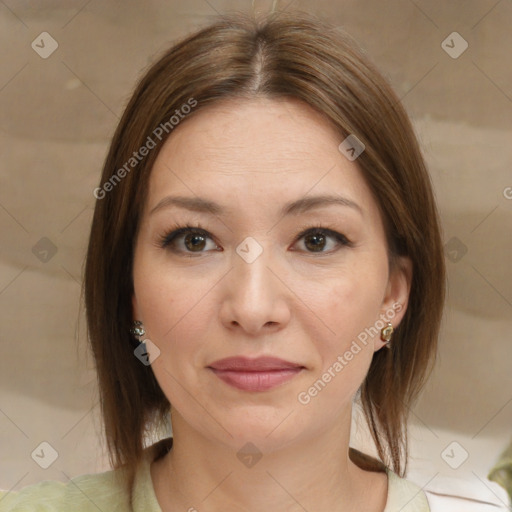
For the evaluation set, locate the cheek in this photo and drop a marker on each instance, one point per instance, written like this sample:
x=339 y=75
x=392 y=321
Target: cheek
x=353 y=306
x=356 y=297
x=175 y=318
x=346 y=350
x=349 y=304
x=175 y=309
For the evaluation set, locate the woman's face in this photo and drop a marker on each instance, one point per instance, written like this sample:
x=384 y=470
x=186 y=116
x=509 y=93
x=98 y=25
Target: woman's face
x=286 y=258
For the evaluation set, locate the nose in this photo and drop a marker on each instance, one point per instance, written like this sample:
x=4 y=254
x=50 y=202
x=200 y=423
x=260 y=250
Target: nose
x=255 y=299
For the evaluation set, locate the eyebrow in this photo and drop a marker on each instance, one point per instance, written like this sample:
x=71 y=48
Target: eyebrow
x=200 y=205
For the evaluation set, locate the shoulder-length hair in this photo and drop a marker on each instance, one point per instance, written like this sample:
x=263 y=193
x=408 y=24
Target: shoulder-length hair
x=278 y=56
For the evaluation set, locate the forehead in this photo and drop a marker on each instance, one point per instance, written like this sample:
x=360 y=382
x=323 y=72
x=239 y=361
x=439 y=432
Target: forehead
x=246 y=151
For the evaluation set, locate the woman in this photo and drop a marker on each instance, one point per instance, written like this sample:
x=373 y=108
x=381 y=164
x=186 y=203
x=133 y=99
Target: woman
x=265 y=252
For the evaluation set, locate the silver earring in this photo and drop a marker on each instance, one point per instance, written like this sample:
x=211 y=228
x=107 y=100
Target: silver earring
x=137 y=330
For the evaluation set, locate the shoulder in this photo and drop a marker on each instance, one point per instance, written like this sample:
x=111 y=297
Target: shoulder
x=84 y=493
x=447 y=495
x=93 y=492
x=403 y=495
x=450 y=493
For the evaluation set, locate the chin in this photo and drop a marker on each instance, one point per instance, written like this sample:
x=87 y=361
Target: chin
x=267 y=433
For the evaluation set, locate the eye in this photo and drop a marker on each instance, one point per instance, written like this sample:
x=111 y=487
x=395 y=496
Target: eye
x=322 y=240
x=189 y=240
x=193 y=240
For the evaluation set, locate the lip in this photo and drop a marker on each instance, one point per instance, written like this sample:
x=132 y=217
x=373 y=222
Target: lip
x=257 y=364
x=258 y=374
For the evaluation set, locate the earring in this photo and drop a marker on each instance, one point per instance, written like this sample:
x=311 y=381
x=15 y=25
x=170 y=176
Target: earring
x=137 y=330
x=386 y=333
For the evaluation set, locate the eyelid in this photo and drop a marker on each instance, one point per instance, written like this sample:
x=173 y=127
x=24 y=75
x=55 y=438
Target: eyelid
x=340 y=238
x=178 y=230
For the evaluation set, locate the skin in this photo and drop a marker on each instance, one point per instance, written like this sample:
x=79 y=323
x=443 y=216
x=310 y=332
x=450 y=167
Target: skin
x=253 y=157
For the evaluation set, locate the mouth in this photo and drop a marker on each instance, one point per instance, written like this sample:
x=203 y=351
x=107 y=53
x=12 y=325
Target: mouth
x=259 y=374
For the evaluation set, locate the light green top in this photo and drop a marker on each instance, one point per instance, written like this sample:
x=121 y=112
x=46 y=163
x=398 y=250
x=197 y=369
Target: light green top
x=501 y=473
x=101 y=492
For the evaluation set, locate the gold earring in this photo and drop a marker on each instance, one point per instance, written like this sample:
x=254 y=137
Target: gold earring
x=386 y=333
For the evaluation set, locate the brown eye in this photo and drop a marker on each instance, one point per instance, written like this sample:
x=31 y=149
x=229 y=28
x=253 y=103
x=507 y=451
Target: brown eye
x=195 y=242
x=188 y=240
x=322 y=240
x=315 y=242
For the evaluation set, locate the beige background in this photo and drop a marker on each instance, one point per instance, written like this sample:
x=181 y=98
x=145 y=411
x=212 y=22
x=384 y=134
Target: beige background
x=57 y=115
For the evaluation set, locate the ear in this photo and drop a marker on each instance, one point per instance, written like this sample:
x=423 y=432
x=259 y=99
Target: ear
x=396 y=298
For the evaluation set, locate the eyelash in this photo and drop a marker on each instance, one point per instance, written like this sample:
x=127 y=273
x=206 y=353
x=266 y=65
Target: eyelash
x=175 y=231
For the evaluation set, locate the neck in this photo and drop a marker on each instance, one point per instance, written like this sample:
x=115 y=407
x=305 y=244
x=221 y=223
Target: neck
x=316 y=474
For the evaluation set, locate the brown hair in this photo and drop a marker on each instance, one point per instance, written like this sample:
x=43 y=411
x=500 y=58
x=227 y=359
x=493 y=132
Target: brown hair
x=280 y=56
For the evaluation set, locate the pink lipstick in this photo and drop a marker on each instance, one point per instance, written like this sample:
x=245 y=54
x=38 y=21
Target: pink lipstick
x=259 y=374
